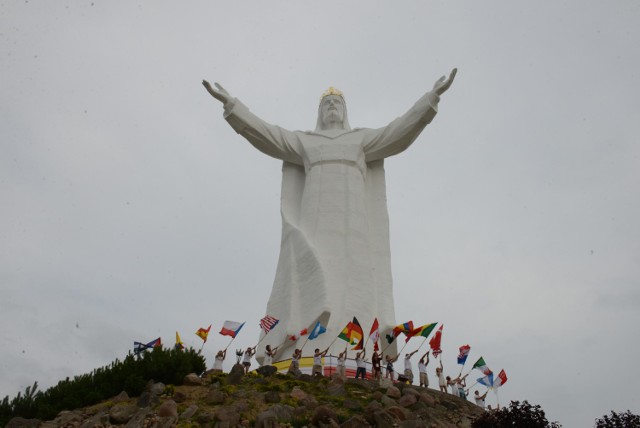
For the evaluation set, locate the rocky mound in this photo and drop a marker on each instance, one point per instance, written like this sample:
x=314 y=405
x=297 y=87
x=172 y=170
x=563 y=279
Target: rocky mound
x=235 y=400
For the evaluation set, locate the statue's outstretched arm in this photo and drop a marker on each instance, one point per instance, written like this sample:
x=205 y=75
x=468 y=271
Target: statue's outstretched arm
x=269 y=139
x=401 y=132
x=219 y=94
x=442 y=84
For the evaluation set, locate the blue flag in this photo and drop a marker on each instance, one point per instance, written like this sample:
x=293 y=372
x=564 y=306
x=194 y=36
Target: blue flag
x=317 y=331
x=487 y=380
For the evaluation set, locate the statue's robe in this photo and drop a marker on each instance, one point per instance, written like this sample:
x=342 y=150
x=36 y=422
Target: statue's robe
x=334 y=259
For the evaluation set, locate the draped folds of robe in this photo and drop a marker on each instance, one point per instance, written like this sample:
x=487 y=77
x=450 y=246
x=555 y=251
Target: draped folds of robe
x=335 y=261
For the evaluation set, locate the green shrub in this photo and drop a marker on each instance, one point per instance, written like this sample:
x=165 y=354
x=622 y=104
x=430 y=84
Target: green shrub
x=168 y=366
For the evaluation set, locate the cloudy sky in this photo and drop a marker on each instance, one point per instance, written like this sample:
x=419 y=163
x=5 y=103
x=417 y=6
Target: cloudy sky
x=130 y=209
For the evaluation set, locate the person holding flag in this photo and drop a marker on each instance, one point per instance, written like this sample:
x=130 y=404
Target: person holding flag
x=480 y=398
x=269 y=354
x=341 y=365
x=246 y=359
x=294 y=367
x=361 y=364
x=408 y=369
x=376 y=367
x=422 y=369
x=390 y=361
x=219 y=359
x=442 y=381
x=317 y=361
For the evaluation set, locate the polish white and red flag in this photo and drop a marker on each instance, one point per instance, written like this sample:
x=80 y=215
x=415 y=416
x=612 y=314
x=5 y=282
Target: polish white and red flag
x=231 y=328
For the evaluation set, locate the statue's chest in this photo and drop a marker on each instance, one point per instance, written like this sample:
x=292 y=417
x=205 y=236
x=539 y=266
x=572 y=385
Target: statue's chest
x=346 y=148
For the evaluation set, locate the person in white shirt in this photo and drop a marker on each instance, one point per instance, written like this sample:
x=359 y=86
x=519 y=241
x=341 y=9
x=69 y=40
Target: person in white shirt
x=422 y=369
x=246 y=359
x=361 y=364
x=342 y=359
x=268 y=355
x=408 y=371
x=317 y=361
x=480 y=398
x=217 y=364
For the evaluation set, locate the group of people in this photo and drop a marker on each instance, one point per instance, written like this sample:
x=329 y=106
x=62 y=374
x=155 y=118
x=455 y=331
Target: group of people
x=457 y=385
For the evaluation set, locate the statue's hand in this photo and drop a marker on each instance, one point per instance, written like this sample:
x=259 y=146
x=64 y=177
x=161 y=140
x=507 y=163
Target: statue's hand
x=219 y=94
x=443 y=83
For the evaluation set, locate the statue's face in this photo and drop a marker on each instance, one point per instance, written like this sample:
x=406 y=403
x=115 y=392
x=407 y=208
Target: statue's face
x=332 y=108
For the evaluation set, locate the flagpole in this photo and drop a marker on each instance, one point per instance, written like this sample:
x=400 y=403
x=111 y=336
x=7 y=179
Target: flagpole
x=334 y=341
x=385 y=348
x=202 y=346
x=260 y=341
x=232 y=339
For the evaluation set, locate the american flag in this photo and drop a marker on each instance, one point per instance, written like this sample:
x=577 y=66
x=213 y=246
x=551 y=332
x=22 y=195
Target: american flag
x=267 y=323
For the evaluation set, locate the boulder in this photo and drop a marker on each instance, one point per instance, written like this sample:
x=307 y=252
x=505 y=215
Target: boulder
x=428 y=399
x=19 y=422
x=356 y=422
x=283 y=413
x=399 y=413
x=121 y=413
x=388 y=401
x=324 y=415
x=407 y=400
x=216 y=396
x=297 y=393
x=123 y=396
x=271 y=397
x=383 y=418
x=235 y=376
x=168 y=409
x=179 y=397
x=166 y=422
x=393 y=392
x=267 y=371
x=192 y=379
x=157 y=389
x=138 y=419
x=189 y=412
x=351 y=404
x=228 y=415
x=267 y=419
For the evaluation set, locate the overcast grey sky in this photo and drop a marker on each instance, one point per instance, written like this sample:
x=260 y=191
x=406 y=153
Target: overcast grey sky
x=130 y=209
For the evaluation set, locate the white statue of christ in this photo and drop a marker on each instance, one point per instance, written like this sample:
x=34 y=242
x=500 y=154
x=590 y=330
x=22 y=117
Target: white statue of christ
x=335 y=261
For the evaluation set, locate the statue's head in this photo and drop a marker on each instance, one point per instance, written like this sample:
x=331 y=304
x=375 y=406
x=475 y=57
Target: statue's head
x=332 y=111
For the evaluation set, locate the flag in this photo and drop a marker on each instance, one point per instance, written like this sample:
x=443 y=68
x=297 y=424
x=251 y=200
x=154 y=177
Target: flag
x=423 y=331
x=317 y=331
x=374 y=334
x=435 y=342
x=203 y=333
x=403 y=328
x=231 y=328
x=356 y=335
x=294 y=337
x=500 y=380
x=482 y=366
x=487 y=380
x=139 y=347
x=352 y=333
x=268 y=322
x=179 y=344
x=464 y=353
x=390 y=338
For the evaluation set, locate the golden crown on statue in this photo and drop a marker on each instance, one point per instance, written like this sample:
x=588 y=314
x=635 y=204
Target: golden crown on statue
x=331 y=91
